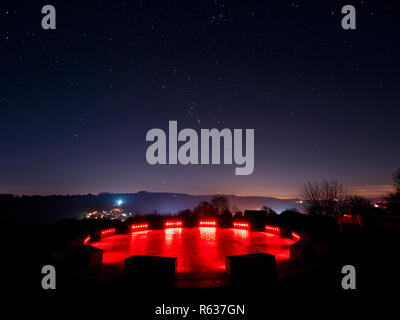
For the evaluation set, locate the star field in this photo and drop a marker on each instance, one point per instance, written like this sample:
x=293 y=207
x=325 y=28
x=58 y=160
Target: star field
x=76 y=102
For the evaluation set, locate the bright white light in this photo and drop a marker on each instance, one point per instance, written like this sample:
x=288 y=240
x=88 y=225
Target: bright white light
x=119 y=202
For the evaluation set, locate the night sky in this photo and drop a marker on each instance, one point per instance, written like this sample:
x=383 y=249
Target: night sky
x=76 y=102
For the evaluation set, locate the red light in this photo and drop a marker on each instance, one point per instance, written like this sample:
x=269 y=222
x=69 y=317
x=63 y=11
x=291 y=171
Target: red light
x=200 y=251
x=296 y=236
x=173 y=224
x=241 y=225
x=347 y=215
x=272 y=229
x=140 y=226
x=208 y=223
x=107 y=232
x=86 y=240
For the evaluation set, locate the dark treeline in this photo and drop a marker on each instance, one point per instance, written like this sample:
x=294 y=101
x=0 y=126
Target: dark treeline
x=48 y=209
x=327 y=198
x=393 y=198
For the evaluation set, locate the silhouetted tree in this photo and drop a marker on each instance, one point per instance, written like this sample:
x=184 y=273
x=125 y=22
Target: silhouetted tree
x=220 y=203
x=235 y=209
x=393 y=198
x=324 y=198
x=356 y=205
x=205 y=209
x=188 y=217
x=396 y=180
x=238 y=215
x=184 y=214
x=290 y=213
x=269 y=211
x=226 y=218
x=393 y=203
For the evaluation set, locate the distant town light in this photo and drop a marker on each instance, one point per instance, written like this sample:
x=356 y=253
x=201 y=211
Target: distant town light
x=119 y=202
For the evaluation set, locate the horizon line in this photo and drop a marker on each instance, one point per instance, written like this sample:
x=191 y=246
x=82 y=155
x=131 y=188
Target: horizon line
x=182 y=193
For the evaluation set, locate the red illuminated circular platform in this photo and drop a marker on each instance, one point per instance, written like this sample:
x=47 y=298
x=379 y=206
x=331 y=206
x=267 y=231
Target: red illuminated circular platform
x=200 y=251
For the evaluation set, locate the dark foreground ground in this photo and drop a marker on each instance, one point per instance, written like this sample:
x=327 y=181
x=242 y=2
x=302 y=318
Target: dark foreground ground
x=373 y=251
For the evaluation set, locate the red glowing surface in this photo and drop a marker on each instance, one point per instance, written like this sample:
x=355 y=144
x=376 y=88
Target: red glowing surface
x=200 y=251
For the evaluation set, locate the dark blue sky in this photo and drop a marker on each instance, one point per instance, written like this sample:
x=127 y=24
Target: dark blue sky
x=76 y=102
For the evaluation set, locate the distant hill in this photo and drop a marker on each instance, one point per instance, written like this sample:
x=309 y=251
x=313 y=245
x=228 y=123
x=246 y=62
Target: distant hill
x=44 y=209
x=165 y=203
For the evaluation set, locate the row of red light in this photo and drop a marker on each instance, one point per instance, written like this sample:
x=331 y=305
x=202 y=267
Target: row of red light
x=272 y=229
x=347 y=215
x=296 y=236
x=107 y=232
x=86 y=240
x=173 y=224
x=240 y=225
x=141 y=226
x=211 y=223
